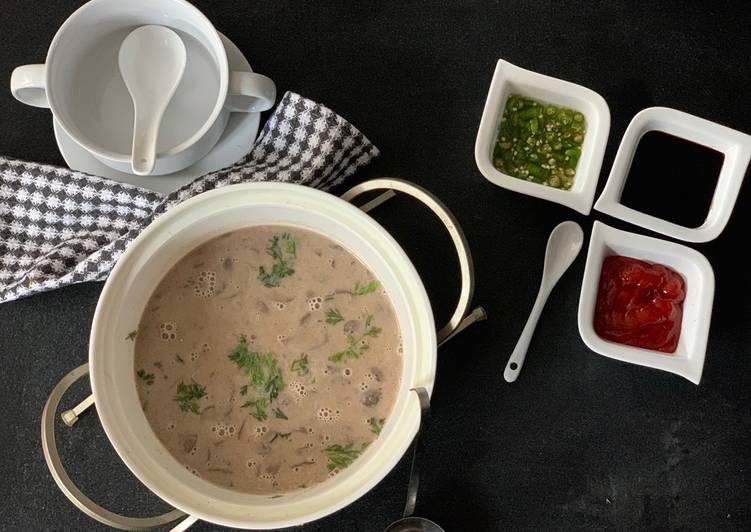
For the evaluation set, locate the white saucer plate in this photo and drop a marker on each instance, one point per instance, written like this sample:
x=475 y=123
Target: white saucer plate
x=233 y=145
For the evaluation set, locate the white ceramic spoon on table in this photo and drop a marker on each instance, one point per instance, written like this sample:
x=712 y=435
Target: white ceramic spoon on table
x=152 y=62
x=564 y=244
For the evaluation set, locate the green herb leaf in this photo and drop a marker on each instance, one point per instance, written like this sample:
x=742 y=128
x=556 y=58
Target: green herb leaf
x=262 y=369
x=282 y=435
x=355 y=347
x=361 y=290
x=279 y=414
x=284 y=251
x=300 y=365
x=350 y=352
x=341 y=456
x=376 y=425
x=257 y=408
x=333 y=316
x=188 y=395
x=370 y=329
x=132 y=335
x=148 y=378
x=274 y=385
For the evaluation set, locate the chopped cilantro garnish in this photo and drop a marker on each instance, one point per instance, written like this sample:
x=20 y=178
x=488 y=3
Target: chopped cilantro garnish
x=355 y=347
x=262 y=369
x=300 y=365
x=257 y=408
x=188 y=395
x=132 y=335
x=148 y=378
x=362 y=289
x=370 y=329
x=282 y=435
x=333 y=316
x=275 y=384
x=284 y=251
x=341 y=456
x=279 y=413
x=353 y=351
x=376 y=425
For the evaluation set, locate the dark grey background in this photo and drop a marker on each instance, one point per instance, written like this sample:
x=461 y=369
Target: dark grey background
x=579 y=442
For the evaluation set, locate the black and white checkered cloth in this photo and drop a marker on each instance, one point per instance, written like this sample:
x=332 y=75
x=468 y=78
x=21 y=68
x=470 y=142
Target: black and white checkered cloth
x=59 y=227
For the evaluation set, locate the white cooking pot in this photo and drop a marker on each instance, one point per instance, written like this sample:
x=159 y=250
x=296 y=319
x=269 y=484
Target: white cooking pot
x=142 y=267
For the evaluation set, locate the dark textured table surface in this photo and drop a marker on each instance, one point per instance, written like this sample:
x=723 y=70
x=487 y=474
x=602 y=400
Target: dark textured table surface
x=579 y=442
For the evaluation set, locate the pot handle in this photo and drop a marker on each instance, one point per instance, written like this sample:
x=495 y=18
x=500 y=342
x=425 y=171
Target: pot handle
x=62 y=479
x=457 y=322
x=417 y=452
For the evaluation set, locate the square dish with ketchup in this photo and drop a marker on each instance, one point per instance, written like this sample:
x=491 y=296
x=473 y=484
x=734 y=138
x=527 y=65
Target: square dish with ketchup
x=646 y=301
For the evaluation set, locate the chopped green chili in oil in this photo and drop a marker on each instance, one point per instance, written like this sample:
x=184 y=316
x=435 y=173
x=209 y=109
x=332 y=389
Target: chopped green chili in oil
x=539 y=142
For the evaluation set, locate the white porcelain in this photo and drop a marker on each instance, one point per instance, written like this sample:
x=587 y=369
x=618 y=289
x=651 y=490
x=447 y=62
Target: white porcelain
x=87 y=96
x=688 y=359
x=234 y=144
x=564 y=244
x=734 y=145
x=152 y=63
x=510 y=79
x=136 y=275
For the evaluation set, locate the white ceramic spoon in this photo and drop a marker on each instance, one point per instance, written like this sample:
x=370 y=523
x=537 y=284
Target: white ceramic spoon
x=564 y=244
x=152 y=62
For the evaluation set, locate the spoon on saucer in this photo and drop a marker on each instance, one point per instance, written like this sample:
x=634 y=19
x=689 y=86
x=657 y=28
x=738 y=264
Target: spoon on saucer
x=410 y=523
x=152 y=62
x=564 y=244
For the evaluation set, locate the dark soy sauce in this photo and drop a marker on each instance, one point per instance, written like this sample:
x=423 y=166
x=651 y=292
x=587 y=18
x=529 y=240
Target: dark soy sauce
x=672 y=178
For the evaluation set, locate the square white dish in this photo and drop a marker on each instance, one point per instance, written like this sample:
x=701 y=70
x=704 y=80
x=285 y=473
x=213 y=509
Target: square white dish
x=509 y=79
x=688 y=359
x=734 y=145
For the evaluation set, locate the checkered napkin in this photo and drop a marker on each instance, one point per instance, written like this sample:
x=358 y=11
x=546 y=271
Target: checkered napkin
x=60 y=227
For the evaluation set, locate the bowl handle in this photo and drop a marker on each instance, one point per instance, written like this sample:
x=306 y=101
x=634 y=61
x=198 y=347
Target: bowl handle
x=27 y=83
x=458 y=321
x=62 y=479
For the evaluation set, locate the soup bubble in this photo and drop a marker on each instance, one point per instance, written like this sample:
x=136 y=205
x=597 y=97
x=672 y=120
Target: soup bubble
x=314 y=303
x=325 y=414
x=168 y=331
x=205 y=286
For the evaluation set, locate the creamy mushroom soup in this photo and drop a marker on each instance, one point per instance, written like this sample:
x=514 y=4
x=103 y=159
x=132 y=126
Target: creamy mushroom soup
x=267 y=359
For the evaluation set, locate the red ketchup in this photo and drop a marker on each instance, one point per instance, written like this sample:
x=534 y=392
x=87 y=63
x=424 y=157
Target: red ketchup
x=639 y=304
